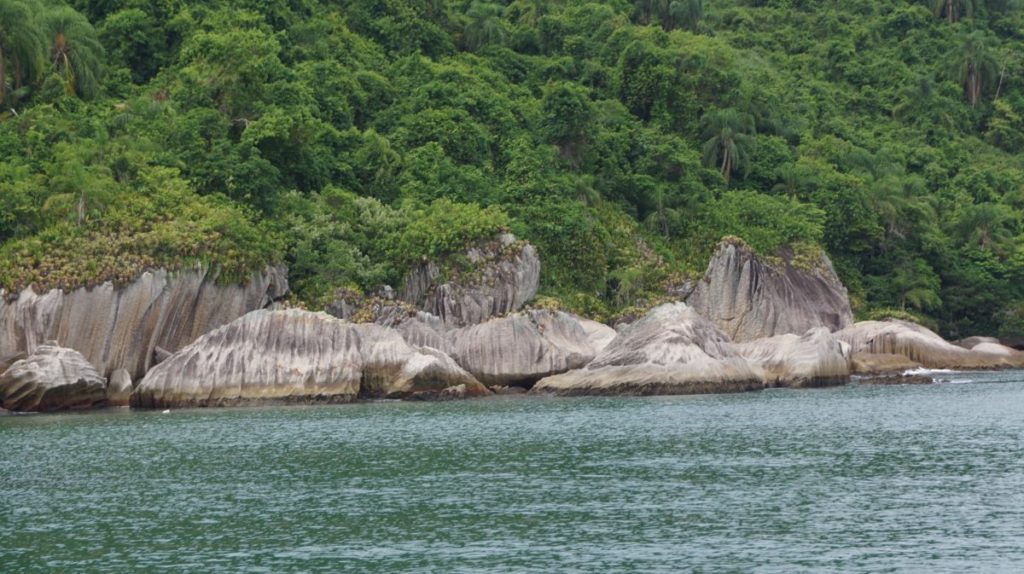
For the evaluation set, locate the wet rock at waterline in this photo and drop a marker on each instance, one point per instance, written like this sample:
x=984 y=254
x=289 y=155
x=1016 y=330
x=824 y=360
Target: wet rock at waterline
x=752 y=297
x=52 y=378
x=671 y=350
x=298 y=356
x=119 y=388
x=920 y=345
x=896 y=379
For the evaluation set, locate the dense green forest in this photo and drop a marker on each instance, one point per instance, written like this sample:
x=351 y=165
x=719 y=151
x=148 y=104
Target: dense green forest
x=351 y=138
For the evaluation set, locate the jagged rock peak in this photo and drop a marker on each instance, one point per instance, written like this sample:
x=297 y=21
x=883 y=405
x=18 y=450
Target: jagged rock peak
x=752 y=297
x=504 y=274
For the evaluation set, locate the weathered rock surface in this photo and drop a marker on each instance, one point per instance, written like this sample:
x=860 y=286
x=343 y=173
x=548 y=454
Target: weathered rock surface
x=672 y=350
x=815 y=359
x=120 y=327
x=750 y=298
x=881 y=363
x=917 y=343
x=971 y=342
x=119 y=388
x=52 y=378
x=598 y=334
x=298 y=356
x=522 y=348
x=506 y=275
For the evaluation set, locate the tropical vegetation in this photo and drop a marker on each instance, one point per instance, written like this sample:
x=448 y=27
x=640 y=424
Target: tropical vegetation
x=349 y=139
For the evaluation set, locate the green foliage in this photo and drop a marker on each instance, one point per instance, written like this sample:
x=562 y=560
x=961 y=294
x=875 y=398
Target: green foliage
x=764 y=222
x=351 y=140
x=445 y=227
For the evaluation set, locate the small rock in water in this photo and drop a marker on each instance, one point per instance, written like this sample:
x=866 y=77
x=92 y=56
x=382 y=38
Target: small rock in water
x=164 y=412
x=506 y=390
x=898 y=380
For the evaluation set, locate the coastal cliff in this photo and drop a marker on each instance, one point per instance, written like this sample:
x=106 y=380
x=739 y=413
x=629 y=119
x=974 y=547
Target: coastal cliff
x=121 y=326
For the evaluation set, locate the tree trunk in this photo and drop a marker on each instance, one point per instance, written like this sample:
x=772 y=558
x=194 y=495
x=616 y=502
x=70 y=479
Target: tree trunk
x=3 y=76
x=999 y=87
x=726 y=164
x=81 y=207
x=949 y=11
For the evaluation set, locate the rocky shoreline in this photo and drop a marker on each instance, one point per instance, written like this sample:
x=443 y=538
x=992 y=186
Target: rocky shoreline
x=749 y=324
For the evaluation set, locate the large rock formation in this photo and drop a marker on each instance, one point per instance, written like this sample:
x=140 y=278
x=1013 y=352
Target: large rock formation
x=815 y=359
x=522 y=348
x=504 y=274
x=672 y=350
x=872 y=341
x=297 y=356
x=750 y=297
x=52 y=378
x=120 y=327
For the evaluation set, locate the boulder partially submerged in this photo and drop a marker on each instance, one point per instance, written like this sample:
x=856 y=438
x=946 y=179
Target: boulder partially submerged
x=52 y=378
x=751 y=297
x=298 y=356
x=522 y=348
x=119 y=389
x=814 y=359
x=503 y=275
x=870 y=340
x=672 y=350
x=121 y=326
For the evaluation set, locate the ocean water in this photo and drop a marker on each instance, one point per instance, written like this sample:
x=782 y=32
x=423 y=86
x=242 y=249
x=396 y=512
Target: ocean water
x=851 y=479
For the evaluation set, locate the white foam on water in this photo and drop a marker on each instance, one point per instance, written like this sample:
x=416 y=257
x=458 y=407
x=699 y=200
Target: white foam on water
x=924 y=371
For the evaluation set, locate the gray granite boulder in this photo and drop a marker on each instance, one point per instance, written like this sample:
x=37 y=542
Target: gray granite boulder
x=671 y=350
x=52 y=378
x=522 y=348
x=814 y=359
x=298 y=356
x=920 y=345
x=752 y=297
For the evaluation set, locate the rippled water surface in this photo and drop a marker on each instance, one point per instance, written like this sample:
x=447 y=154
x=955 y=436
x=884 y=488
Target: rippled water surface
x=851 y=479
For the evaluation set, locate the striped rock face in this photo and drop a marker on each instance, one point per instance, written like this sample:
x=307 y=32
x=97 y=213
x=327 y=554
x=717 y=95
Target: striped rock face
x=751 y=297
x=298 y=356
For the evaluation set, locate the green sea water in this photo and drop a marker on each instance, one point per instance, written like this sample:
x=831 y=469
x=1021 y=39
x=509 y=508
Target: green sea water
x=850 y=479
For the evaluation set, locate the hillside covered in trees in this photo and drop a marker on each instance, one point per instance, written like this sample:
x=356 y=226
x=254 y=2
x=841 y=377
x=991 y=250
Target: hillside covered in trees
x=352 y=138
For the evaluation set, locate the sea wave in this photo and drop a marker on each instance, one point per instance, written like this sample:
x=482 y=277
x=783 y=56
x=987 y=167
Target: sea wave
x=923 y=371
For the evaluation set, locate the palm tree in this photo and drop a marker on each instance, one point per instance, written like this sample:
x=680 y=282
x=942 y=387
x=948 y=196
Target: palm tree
x=729 y=140
x=75 y=50
x=485 y=26
x=977 y=65
x=21 y=43
x=953 y=9
x=989 y=226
